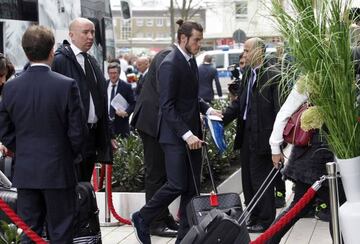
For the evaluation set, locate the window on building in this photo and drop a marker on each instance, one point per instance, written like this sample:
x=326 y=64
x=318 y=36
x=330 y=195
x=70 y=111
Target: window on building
x=149 y=22
x=159 y=22
x=139 y=22
x=241 y=9
x=125 y=30
x=149 y=35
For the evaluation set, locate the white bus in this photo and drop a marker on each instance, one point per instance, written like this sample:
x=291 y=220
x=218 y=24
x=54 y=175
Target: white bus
x=17 y=15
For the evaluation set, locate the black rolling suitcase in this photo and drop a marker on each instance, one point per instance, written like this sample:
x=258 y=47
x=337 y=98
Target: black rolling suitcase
x=201 y=205
x=87 y=226
x=223 y=226
x=217 y=227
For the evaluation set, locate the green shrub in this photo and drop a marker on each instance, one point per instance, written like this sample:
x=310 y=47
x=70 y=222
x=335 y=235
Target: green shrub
x=128 y=167
x=9 y=233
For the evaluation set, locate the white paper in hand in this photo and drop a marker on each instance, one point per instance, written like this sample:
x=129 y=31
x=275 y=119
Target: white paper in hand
x=119 y=102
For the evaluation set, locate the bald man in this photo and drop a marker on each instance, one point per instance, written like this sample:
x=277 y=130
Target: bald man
x=142 y=65
x=72 y=59
x=255 y=111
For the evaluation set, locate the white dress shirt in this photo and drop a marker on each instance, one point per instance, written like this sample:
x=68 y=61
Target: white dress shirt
x=92 y=119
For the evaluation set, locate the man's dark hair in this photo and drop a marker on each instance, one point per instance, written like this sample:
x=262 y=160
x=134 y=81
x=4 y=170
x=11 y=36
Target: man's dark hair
x=6 y=65
x=37 y=42
x=187 y=27
x=114 y=65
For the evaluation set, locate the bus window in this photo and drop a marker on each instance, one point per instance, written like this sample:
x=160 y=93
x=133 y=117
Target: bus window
x=218 y=60
x=234 y=58
x=19 y=10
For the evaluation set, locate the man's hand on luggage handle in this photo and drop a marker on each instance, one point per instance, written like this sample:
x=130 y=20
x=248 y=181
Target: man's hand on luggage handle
x=194 y=142
x=278 y=160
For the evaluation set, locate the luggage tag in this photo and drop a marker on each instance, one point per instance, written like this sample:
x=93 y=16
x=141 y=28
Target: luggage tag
x=214 y=199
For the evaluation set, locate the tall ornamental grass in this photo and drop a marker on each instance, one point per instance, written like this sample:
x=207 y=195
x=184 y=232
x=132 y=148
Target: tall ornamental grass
x=318 y=34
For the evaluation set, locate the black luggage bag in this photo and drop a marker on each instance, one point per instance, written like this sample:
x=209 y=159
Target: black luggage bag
x=217 y=227
x=8 y=195
x=87 y=226
x=201 y=205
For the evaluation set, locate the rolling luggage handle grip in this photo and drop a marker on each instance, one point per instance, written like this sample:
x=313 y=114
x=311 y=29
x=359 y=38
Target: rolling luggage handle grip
x=260 y=192
x=208 y=165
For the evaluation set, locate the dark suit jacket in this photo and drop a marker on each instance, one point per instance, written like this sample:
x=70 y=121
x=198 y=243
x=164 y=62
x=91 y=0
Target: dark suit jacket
x=264 y=107
x=146 y=110
x=180 y=105
x=120 y=126
x=65 y=63
x=208 y=74
x=41 y=110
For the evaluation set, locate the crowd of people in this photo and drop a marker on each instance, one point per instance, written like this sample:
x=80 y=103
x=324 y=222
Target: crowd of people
x=60 y=116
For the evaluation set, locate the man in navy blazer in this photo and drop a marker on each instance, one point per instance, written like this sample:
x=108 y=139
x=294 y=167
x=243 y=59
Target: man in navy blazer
x=119 y=118
x=207 y=75
x=178 y=127
x=42 y=121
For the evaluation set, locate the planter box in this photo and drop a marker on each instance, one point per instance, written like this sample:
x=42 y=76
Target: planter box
x=125 y=203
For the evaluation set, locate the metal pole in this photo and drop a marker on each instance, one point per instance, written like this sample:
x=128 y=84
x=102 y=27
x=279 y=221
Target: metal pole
x=107 y=222
x=107 y=210
x=334 y=201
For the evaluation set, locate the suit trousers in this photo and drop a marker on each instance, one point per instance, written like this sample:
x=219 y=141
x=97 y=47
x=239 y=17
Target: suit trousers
x=155 y=173
x=179 y=183
x=56 y=206
x=86 y=166
x=254 y=169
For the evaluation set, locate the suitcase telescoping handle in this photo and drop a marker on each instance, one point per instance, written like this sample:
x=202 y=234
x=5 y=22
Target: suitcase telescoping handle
x=260 y=192
x=206 y=158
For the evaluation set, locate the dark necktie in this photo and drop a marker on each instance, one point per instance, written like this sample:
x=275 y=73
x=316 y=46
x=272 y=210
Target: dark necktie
x=112 y=109
x=193 y=66
x=93 y=86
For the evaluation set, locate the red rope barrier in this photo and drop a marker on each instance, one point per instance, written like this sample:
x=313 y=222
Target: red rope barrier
x=308 y=196
x=20 y=223
x=95 y=180
x=110 y=201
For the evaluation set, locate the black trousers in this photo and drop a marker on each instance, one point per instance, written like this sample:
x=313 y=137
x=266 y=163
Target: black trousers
x=179 y=183
x=254 y=169
x=86 y=166
x=300 y=190
x=56 y=206
x=155 y=173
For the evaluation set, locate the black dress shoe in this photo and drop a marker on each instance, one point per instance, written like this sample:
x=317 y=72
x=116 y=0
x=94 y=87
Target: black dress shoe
x=171 y=223
x=163 y=232
x=256 y=228
x=141 y=229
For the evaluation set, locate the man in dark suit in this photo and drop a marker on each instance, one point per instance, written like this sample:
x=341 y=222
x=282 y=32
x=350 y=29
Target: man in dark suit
x=71 y=59
x=256 y=109
x=145 y=119
x=42 y=121
x=208 y=74
x=119 y=118
x=142 y=65
x=178 y=127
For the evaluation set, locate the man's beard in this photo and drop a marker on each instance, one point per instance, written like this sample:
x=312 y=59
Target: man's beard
x=188 y=48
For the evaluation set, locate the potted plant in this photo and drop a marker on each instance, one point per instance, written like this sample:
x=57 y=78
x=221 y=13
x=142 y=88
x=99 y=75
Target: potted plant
x=318 y=34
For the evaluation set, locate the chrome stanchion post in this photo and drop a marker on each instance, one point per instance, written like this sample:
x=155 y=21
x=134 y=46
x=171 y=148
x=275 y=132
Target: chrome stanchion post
x=107 y=210
x=108 y=222
x=334 y=201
